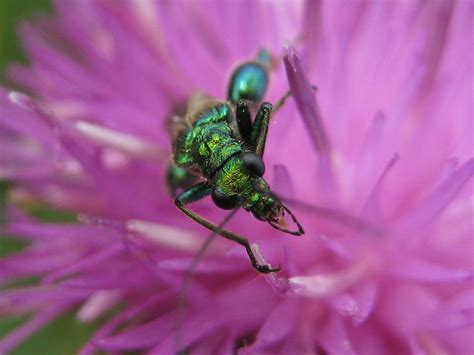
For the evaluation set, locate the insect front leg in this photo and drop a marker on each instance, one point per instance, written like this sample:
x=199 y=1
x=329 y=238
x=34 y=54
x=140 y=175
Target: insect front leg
x=262 y=122
x=260 y=128
x=244 y=121
x=196 y=193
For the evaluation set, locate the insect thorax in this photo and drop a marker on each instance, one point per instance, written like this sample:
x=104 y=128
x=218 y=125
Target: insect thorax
x=209 y=142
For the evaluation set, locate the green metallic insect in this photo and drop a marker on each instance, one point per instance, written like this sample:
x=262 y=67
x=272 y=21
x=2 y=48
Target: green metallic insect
x=218 y=143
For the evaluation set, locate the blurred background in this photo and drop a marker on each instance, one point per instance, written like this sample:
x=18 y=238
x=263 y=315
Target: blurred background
x=12 y=12
x=65 y=335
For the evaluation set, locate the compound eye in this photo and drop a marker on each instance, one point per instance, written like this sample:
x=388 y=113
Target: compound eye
x=224 y=201
x=253 y=163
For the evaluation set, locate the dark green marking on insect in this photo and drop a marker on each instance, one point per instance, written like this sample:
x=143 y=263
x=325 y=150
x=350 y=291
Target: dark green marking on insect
x=248 y=82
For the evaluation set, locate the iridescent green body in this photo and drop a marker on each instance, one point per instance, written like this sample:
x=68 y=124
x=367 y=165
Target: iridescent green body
x=249 y=82
x=212 y=147
x=218 y=143
x=213 y=137
x=208 y=143
x=234 y=179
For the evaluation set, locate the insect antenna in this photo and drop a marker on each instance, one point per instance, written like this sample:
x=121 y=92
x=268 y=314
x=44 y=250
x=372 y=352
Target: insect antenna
x=181 y=301
x=275 y=225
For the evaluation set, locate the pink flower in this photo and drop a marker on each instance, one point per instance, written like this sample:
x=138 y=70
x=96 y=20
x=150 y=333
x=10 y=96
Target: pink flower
x=377 y=166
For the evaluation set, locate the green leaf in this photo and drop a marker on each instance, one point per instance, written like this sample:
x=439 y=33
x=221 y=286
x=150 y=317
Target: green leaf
x=11 y=13
x=65 y=335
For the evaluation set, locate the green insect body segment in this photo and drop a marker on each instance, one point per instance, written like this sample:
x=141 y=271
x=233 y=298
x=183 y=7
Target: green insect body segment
x=233 y=176
x=209 y=143
x=249 y=82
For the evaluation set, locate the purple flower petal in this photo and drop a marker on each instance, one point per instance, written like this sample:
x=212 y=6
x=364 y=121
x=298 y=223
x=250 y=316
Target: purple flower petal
x=282 y=181
x=306 y=103
x=192 y=330
x=276 y=327
x=141 y=337
x=334 y=337
x=385 y=265
x=440 y=197
x=431 y=272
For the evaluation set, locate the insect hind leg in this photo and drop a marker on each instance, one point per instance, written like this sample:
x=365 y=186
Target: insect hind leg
x=196 y=193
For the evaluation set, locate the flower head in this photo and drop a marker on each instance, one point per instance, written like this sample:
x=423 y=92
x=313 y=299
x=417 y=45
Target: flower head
x=377 y=165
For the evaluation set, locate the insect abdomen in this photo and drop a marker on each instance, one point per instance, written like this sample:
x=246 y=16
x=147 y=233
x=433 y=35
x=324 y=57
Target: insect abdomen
x=249 y=82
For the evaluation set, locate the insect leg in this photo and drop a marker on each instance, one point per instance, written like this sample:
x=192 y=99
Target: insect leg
x=199 y=191
x=260 y=128
x=178 y=178
x=193 y=194
x=262 y=121
x=279 y=104
x=181 y=303
x=244 y=121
